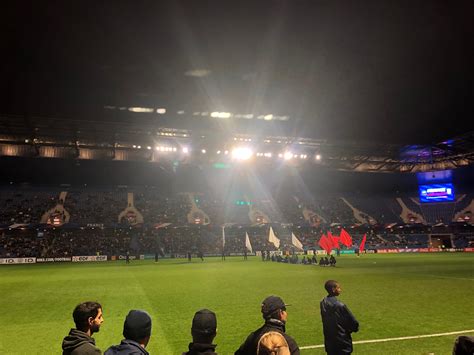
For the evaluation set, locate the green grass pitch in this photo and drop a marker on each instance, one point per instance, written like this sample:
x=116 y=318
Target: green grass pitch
x=391 y=296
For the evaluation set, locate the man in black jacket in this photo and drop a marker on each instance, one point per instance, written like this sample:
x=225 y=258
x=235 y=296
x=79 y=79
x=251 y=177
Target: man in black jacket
x=88 y=319
x=338 y=321
x=136 y=331
x=275 y=315
x=203 y=330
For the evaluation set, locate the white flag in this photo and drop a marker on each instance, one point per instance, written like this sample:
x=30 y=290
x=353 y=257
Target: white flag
x=247 y=242
x=295 y=241
x=273 y=239
x=223 y=237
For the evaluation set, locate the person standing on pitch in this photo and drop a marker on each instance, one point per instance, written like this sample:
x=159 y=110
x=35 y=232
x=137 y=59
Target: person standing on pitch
x=338 y=321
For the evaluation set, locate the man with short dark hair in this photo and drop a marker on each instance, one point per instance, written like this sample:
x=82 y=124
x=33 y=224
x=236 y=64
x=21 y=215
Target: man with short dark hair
x=136 y=331
x=203 y=331
x=338 y=321
x=88 y=319
x=275 y=315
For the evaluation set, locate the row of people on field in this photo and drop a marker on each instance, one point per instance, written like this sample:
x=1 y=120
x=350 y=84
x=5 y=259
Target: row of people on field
x=270 y=339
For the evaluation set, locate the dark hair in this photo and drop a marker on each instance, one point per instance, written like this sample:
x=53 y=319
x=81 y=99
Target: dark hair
x=274 y=315
x=83 y=312
x=330 y=285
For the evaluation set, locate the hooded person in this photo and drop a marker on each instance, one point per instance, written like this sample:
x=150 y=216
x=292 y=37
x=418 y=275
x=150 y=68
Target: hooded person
x=338 y=321
x=88 y=319
x=136 y=331
x=203 y=331
x=274 y=313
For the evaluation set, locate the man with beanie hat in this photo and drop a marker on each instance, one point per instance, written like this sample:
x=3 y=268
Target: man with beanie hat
x=275 y=316
x=136 y=331
x=203 y=331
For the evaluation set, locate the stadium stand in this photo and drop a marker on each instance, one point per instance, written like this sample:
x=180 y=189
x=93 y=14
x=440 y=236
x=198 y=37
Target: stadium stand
x=383 y=209
x=94 y=226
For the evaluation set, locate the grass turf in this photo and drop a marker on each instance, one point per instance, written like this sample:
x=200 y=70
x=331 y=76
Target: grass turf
x=391 y=296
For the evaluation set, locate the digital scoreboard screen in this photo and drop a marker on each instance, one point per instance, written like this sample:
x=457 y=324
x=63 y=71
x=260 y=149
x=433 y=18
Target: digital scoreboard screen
x=436 y=193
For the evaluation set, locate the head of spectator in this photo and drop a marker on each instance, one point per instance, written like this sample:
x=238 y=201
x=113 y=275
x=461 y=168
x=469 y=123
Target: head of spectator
x=273 y=307
x=137 y=327
x=332 y=287
x=88 y=317
x=136 y=331
x=204 y=326
x=464 y=345
x=273 y=343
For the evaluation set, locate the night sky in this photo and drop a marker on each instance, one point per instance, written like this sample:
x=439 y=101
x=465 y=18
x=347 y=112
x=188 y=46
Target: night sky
x=390 y=71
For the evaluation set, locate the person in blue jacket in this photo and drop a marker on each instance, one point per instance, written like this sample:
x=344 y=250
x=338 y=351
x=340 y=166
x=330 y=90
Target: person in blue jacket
x=136 y=331
x=338 y=321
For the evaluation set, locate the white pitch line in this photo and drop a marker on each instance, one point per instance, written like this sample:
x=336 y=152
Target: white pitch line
x=449 y=277
x=395 y=339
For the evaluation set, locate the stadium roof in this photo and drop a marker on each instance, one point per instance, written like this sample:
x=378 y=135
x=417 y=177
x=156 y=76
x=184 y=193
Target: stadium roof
x=370 y=71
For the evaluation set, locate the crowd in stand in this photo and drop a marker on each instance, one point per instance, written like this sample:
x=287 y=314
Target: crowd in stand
x=100 y=208
x=178 y=241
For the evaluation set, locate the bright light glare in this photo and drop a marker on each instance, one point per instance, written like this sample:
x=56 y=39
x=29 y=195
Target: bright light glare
x=140 y=109
x=220 y=114
x=161 y=111
x=288 y=155
x=268 y=117
x=203 y=151
x=242 y=153
x=318 y=157
x=185 y=150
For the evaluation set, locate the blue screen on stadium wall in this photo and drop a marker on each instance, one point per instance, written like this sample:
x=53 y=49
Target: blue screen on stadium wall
x=436 y=193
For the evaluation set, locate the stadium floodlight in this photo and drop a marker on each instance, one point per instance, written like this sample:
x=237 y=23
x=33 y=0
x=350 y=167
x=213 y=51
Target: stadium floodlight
x=139 y=146
x=203 y=151
x=226 y=152
x=242 y=153
x=185 y=150
x=288 y=155
x=141 y=109
x=134 y=146
x=218 y=152
x=318 y=157
x=216 y=114
x=268 y=117
x=149 y=148
x=161 y=110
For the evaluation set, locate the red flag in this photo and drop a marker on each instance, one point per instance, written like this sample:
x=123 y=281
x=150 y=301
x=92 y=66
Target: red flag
x=345 y=238
x=334 y=240
x=325 y=243
x=362 y=243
